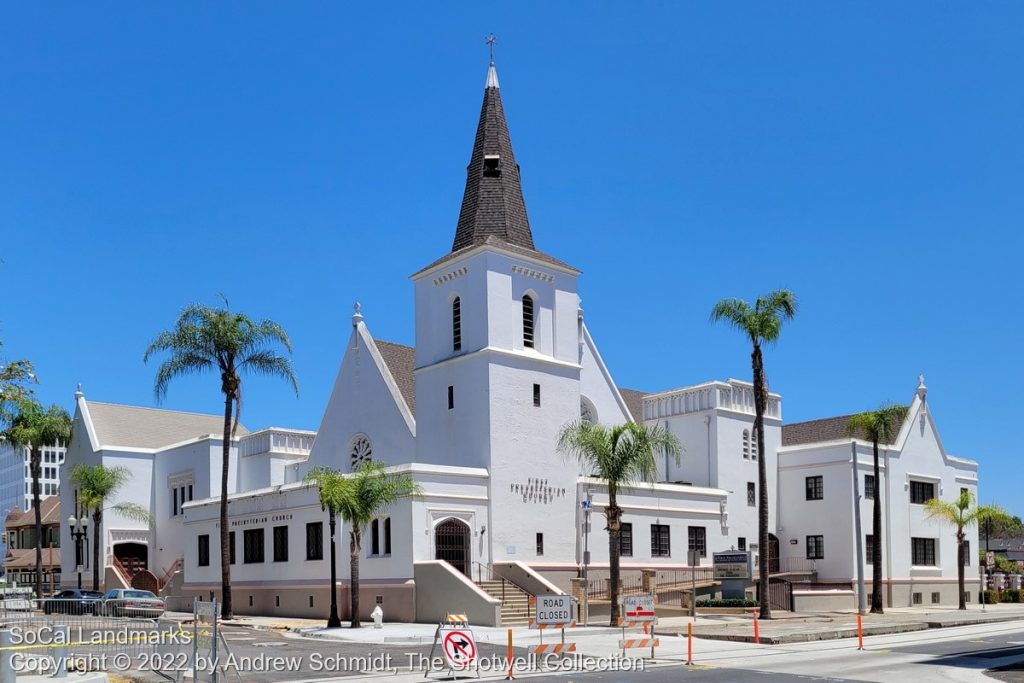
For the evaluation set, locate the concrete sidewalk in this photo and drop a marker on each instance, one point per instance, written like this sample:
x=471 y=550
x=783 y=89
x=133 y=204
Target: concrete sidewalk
x=800 y=628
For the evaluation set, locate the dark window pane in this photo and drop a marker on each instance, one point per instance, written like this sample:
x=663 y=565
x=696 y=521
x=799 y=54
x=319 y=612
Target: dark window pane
x=626 y=539
x=315 y=541
x=280 y=544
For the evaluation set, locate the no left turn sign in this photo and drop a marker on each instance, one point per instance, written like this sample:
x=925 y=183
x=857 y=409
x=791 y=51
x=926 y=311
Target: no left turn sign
x=459 y=649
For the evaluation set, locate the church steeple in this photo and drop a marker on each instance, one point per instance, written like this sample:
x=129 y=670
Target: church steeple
x=492 y=205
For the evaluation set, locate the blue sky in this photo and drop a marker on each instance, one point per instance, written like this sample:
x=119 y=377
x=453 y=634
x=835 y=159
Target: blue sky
x=299 y=157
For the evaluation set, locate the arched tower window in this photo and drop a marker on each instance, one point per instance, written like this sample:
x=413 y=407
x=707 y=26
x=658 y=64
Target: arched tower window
x=528 y=321
x=746 y=444
x=456 y=324
x=361 y=451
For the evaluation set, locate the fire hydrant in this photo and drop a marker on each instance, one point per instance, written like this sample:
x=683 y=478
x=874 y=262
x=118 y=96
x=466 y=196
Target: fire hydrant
x=378 y=617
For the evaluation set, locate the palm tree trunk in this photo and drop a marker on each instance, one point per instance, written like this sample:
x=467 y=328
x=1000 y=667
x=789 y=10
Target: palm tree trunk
x=614 y=515
x=97 y=521
x=876 y=531
x=760 y=398
x=354 y=549
x=35 y=456
x=960 y=552
x=225 y=550
x=332 y=620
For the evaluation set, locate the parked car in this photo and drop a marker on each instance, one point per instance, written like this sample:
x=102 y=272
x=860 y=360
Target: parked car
x=73 y=601
x=130 y=602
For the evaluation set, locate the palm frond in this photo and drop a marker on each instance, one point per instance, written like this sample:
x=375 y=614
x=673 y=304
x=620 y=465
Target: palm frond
x=270 y=364
x=133 y=511
x=31 y=425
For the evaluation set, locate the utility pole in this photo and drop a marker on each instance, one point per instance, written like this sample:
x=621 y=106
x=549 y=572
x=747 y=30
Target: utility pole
x=861 y=598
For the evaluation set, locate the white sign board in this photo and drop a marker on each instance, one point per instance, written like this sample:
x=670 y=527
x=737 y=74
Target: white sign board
x=459 y=649
x=732 y=565
x=554 y=609
x=638 y=607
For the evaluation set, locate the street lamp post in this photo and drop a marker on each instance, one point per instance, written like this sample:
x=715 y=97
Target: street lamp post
x=79 y=532
x=333 y=621
x=587 y=504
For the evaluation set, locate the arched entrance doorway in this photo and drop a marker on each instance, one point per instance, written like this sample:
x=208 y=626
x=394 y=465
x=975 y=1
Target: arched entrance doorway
x=134 y=557
x=451 y=544
x=773 y=554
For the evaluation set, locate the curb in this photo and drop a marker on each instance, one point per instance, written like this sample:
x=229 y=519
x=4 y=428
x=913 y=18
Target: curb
x=851 y=632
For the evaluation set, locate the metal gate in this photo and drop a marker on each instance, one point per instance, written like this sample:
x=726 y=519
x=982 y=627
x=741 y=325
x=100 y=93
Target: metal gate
x=451 y=544
x=780 y=594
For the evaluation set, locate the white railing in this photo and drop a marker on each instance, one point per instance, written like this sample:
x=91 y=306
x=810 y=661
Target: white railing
x=732 y=395
x=273 y=440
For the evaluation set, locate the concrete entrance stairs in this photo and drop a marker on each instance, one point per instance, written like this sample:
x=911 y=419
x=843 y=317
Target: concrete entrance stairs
x=515 y=602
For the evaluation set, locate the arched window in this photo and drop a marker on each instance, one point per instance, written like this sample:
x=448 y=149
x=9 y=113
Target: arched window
x=746 y=444
x=456 y=324
x=361 y=451
x=587 y=412
x=528 y=321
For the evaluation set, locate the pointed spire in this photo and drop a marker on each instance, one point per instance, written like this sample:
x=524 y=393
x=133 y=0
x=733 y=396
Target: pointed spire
x=492 y=205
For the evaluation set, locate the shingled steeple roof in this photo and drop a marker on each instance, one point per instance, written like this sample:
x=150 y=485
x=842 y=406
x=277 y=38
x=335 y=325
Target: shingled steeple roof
x=493 y=206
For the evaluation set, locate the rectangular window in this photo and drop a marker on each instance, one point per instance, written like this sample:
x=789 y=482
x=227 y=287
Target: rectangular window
x=921 y=492
x=204 y=550
x=375 y=537
x=252 y=546
x=540 y=543
x=815 y=487
x=231 y=547
x=280 y=544
x=451 y=397
x=741 y=543
x=457 y=324
x=387 y=536
x=697 y=540
x=869 y=549
x=869 y=486
x=190 y=491
x=815 y=547
x=315 y=541
x=660 y=541
x=626 y=539
x=967 y=553
x=174 y=510
x=536 y=395
x=922 y=552
x=751 y=494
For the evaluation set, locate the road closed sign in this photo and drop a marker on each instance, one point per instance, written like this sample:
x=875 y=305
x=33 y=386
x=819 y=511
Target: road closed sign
x=554 y=609
x=638 y=607
x=459 y=649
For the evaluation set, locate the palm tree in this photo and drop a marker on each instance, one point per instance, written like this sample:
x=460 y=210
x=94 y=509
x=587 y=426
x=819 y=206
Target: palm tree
x=32 y=426
x=359 y=498
x=97 y=484
x=620 y=455
x=216 y=339
x=762 y=324
x=961 y=514
x=877 y=426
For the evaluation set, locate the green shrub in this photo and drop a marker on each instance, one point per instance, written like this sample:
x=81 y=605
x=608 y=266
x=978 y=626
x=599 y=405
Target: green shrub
x=1011 y=595
x=727 y=602
x=990 y=597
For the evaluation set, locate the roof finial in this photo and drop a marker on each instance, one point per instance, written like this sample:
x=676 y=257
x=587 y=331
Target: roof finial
x=357 y=314
x=78 y=392
x=491 y=39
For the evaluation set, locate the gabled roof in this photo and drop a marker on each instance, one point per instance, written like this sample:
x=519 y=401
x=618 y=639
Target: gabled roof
x=150 y=428
x=401 y=360
x=819 y=431
x=492 y=204
x=635 y=402
x=24 y=558
x=49 y=509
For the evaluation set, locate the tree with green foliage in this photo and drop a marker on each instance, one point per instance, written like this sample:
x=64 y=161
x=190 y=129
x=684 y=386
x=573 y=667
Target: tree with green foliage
x=961 y=514
x=761 y=324
x=32 y=426
x=206 y=339
x=97 y=484
x=877 y=426
x=16 y=378
x=360 y=498
x=620 y=455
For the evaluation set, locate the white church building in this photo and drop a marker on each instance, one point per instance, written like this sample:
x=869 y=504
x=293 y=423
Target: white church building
x=503 y=360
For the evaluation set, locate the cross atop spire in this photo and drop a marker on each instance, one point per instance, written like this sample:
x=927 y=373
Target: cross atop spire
x=492 y=205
